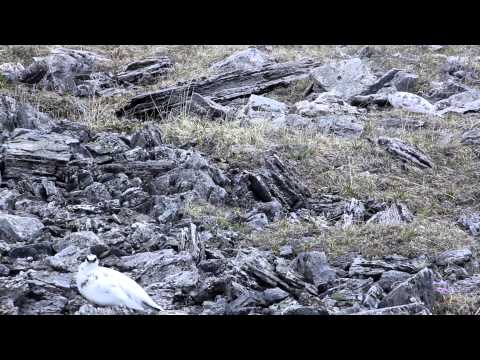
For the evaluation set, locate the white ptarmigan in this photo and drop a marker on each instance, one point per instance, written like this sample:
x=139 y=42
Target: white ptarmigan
x=107 y=287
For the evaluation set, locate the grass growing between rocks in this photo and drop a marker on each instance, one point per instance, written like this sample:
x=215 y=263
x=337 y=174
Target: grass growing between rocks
x=458 y=304
x=211 y=217
x=421 y=237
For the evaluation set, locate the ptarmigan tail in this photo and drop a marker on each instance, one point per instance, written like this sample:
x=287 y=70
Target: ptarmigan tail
x=152 y=305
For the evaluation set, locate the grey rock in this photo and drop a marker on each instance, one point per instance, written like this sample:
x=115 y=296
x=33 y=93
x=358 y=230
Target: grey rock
x=440 y=90
x=275 y=180
x=395 y=214
x=274 y=295
x=81 y=239
x=390 y=278
x=206 y=107
x=7 y=199
x=326 y=103
x=249 y=59
x=11 y=290
x=379 y=100
x=146 y=71
x=68 y=259
x=107 y=144
x=457 y=257
x=286 y=251
x=148 y=137
x=366 y=52
x=471 y=222
x=410 y=309
x=348 y=292
x=404 y=81
x=471 y=137
x=19 y=228
x=459 y=67
x=345 y=78
x=368 y=268
x=61 y=70
x=34 y=154
x=406 y=152
x=11 y=71
x=341 y=125
x=402 y=123
x=314 y=267
x=470 y=285
x=461 y=103
x=419 y=288
x=261 y=108
x=195 y=175
x=33 y=250
x=4 y=270
x=257 y=221
x=18 y=115
x=382 y=84
x=96 y=193
x=223 y=88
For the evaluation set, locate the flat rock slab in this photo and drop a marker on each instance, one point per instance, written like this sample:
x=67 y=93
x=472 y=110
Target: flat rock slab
x=37 y=154
x=220 y=88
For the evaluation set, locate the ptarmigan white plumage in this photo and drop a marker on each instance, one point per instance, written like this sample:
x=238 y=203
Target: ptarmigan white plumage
x=107 y=287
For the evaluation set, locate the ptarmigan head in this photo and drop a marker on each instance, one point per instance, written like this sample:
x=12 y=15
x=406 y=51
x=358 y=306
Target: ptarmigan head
x=90 y=263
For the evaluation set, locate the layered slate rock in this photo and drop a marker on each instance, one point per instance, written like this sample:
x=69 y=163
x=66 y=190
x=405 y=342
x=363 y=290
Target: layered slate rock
x=145 y=71
x=36 y=154
x=220 y=88
x=406 y=152
x=274 y=181
x=78 y=72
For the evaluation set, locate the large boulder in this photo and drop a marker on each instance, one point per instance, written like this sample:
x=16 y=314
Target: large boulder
x=19 y=228
x=345 y=78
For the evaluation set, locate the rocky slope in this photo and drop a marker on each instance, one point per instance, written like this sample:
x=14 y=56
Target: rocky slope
x=206 y=231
